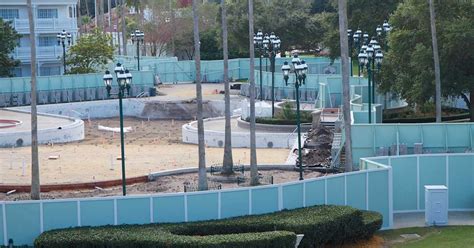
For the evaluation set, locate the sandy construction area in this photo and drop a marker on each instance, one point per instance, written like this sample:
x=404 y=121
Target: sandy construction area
x=151 y=146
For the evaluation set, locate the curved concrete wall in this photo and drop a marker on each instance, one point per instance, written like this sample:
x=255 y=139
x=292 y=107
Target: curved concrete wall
x=68 y=133
x=152 y=109
x=239 y=139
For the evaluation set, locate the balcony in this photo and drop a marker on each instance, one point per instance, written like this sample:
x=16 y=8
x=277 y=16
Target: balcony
x=45 y=25
x=49 y=53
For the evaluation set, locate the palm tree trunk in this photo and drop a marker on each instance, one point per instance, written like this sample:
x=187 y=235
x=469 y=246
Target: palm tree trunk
x=35 y=179
x=228 y=163
x=124 y=29
x=342 y=4
x=434 y=40
x=173 y=23
x=197 y=59
x=253 y=147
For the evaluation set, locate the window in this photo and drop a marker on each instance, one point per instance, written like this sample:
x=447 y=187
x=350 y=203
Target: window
x=47 y=13
x=50 y=70
x=44 y=41
x=9 y=14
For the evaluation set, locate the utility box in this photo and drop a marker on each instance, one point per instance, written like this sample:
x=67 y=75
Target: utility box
x=436 y=205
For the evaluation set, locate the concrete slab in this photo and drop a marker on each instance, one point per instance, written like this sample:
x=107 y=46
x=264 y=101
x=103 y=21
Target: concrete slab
x=455 y=218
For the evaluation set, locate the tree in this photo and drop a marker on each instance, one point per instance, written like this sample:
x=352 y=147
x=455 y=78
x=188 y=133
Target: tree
x=408 y=67
x=8 y=40
x=90 y=54
x=434 y=41
x=202 y=185
x=228 y=163
x=35 y=176
x=342 y=7
x=253 y=146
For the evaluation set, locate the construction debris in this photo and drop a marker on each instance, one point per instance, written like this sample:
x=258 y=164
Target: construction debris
x=317 y=147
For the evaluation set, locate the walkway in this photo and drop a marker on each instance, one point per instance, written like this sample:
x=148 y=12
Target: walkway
x=418 y=219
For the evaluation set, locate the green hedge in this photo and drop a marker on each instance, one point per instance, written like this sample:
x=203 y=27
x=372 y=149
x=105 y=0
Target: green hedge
x=319 y=224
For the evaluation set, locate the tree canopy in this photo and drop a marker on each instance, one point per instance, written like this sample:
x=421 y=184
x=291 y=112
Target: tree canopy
x=90 y=54
x=8 y=41
x=408 y=66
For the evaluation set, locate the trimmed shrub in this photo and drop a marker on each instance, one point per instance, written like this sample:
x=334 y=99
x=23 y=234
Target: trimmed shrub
x=372 y=222
x=320 y=225
x=149 y=236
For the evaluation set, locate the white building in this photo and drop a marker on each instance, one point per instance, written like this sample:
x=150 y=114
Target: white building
x=51 y=17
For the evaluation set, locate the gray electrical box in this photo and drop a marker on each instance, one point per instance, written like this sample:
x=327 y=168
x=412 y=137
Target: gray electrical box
x=436 y=205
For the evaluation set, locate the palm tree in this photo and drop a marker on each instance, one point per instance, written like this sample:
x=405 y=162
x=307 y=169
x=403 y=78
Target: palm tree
x=124 y=28
x=228 y=162
x=434 y=40
x=35 y=179
x=202 y=185
x=253 y=147
x=342 y=4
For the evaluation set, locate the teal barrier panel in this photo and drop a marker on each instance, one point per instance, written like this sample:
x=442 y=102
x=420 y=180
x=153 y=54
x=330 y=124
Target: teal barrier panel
x=23 y=222
x=234 y=203
x=47 y=83
x=379 y=194
x=458 y=137
x=264 y=200
x=405 y=189
x=2 y=231
x=356 y=190
x=409 y=134
x=460 y=182
x=58 y=215
x=203 y=206
x=432 y=171
x=293 y=196
x=315 y=193
x=168 y=209
x=133 y=211
x=97 y=212
x=385 y=135
x=434 y=137
x=335 y=191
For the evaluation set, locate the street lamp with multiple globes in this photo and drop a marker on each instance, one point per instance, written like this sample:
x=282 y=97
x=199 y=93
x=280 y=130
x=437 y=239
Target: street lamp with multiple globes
x=382 y=33
x=64 y=38
x=138 y=37
x=300 y=68
x=124 y=80
x=268 y=45
x=371 y=58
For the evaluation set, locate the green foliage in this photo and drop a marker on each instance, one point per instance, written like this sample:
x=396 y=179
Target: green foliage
x=319 y=224
x=289 y=113
x=90 y=54
x=408 y=66
x=8 y=41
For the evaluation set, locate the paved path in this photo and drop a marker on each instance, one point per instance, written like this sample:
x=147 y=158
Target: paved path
x=418 y=219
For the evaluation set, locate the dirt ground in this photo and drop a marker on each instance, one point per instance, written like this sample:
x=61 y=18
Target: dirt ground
x=166 y=184
x=152 y=146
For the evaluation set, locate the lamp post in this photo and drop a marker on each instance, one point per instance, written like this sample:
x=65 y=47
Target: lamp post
x=138 y=37
x=63 y=39
x=349 y=34
x=258 y=42
x=124 y=80
x=268 y=45
x=382 y=33
x=357 y=38
x=370 y=57
x=300 y=68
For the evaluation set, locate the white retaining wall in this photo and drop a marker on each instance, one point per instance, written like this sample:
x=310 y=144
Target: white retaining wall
x=68 y=133
x=239 y=139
